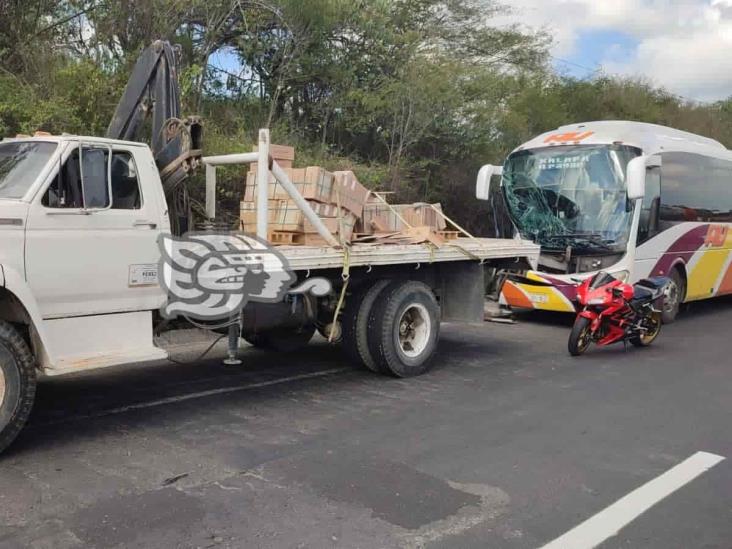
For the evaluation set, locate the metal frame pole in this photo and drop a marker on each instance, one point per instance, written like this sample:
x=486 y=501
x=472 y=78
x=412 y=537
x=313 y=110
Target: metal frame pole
x=230 y=159
x=284 y=180
x=233 y=342
x=210 y=191
x=262 y=183
x=223 y=160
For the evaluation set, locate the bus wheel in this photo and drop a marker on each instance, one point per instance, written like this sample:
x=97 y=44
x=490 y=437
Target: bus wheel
x=673 y=295
x=17 y=383
x=404 y=327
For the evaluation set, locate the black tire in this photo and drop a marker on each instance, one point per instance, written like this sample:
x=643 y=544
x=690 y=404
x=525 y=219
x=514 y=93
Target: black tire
x=580 y=337
x=674 y=295
x=17 y=383
x=282 y=340
x=404 y=320
x=355 y=322
x=656 y=320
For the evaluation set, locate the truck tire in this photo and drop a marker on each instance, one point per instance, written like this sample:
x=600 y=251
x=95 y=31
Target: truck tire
x=282 y=340
x=404 y=327
x=17 y=383
x=355 y=323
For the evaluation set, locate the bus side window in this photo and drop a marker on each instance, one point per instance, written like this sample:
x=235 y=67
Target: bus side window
x=648 y=226
x=696 y=188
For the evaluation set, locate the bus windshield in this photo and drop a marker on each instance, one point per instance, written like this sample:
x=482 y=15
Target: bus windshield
x=20 y=164
x=570 y=195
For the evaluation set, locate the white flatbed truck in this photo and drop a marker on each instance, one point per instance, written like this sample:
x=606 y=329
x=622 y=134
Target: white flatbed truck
x=80 y=219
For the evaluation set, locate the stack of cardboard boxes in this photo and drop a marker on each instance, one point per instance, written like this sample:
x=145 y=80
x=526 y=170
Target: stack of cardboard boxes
x=349 y=210
x=379 y=217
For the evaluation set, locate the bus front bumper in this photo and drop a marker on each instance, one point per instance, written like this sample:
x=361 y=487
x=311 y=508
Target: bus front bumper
x=540 y=292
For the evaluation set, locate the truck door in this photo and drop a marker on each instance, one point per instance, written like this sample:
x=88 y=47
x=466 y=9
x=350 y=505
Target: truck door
x=91 y=236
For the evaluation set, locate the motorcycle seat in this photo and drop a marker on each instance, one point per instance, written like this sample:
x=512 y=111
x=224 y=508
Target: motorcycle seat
x=642 y=294
x=653 y=283
x=649 y=289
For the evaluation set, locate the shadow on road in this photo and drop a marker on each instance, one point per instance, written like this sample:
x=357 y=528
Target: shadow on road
x=76 y=407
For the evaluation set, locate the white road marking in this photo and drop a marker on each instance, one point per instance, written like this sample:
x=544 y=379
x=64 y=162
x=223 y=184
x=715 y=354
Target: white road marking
x=193 y=396
x=608 y=522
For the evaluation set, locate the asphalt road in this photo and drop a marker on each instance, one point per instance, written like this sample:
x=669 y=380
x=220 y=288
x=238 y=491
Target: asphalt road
x=507 y=443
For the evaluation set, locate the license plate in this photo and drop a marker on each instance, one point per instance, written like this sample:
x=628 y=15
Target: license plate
x=538 y=298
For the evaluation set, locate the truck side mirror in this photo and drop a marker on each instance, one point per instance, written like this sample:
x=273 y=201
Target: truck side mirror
x=483 y=184
x=96 y=178
x=636 y=175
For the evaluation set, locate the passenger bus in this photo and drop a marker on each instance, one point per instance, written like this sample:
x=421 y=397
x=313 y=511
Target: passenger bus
x=633 y=199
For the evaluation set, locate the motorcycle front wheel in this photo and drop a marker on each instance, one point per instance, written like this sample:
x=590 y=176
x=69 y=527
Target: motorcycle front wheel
x=652 y=322
x=580 y=337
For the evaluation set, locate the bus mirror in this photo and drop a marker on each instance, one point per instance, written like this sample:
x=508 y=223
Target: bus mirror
x=483 y=185
x=637 y=178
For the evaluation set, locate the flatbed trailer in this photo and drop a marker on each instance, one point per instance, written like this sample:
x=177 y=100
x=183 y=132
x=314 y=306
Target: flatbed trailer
x=387 y=299
x=371 y=255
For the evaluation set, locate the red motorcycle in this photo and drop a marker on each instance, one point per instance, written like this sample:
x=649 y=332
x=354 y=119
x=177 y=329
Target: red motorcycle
x=613 y=311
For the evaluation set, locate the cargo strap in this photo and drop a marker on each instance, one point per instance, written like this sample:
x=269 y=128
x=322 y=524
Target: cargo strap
x=346 y=276
x=431 y=247
x=451 y=222
x=393 y=210
x=341 y=227
x=459 y=228
x=467 y=253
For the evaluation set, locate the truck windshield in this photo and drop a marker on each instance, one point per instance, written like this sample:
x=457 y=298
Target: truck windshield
x=570 y=195
x=20 y=165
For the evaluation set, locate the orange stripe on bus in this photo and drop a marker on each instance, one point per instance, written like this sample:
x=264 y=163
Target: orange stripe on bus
x=515 y=297
x=726 y=286
x=570 y=137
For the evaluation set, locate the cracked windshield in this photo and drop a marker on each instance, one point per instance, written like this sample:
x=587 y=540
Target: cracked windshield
x=570 y=195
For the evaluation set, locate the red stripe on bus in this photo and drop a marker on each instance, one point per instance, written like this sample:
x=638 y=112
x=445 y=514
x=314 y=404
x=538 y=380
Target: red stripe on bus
x=683 y=249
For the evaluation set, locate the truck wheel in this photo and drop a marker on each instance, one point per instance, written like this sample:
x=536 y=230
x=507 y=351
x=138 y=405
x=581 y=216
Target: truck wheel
x=404 y=326
x=282 y=340
x=355 y=321
x=17 y=383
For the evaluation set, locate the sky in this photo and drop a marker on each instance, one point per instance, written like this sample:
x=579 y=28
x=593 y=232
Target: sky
x=682 y=45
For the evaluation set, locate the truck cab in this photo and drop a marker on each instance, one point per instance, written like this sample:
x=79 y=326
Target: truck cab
x=79 y=223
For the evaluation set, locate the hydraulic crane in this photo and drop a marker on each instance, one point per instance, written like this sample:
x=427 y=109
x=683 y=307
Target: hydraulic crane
x=152 y=91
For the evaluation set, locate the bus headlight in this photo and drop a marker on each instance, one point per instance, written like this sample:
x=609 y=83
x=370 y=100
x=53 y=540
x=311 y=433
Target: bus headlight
x=622 y=276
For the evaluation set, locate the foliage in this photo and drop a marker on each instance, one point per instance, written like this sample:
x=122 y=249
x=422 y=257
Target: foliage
x=414 y=95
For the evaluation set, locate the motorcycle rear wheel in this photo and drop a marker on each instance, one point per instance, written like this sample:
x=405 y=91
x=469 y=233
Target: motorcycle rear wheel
x=580 y=337
x=655 y=320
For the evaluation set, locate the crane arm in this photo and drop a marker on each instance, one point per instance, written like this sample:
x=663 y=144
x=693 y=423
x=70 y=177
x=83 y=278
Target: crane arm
x=152 y=89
